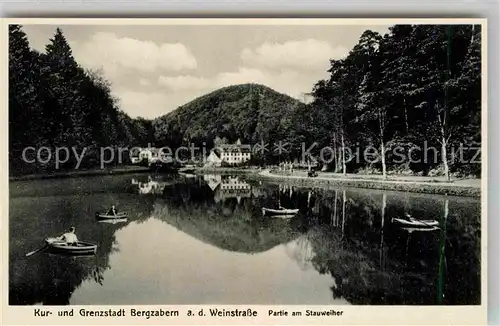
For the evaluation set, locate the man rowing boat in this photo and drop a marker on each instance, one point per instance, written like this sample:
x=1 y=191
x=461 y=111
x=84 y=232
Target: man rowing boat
x=409 y=217
x=69 y=237
x=113 y=211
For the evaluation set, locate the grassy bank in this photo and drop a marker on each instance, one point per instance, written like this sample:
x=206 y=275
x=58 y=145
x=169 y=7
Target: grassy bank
x=428 y=185
x=405 y=184
x=82 y=173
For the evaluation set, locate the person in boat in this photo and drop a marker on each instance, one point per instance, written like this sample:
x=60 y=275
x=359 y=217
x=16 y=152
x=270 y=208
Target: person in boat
x=69 y=237
x=409 y=217
x=113 y=210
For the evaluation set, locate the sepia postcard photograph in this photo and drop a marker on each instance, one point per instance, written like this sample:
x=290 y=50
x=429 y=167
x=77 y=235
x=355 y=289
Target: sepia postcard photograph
x=270 y=167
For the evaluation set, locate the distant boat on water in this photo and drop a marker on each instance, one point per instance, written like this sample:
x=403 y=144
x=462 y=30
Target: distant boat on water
x=281 y=211
x=414 y=223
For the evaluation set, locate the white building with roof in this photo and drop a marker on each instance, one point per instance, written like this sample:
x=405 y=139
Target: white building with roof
x=235 y=154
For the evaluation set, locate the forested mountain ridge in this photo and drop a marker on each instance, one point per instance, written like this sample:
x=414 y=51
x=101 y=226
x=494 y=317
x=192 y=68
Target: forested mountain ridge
x=249 y=112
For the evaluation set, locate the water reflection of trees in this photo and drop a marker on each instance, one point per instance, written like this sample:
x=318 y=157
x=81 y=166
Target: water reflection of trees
x=345 y=234
x=348 y=235
x=301 y=251
x=228 y=224
x=373 y=262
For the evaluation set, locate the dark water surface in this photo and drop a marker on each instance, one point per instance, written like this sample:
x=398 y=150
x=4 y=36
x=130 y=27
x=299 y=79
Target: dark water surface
x=203 y=240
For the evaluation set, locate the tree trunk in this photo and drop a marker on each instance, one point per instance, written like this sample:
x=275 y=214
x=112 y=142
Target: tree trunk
x=343 y=155
x=406 y=115
x=344 y=170
x=335 y=209
x=444 y=157
x=335 y=158
x=382 y=147
x=444 y=143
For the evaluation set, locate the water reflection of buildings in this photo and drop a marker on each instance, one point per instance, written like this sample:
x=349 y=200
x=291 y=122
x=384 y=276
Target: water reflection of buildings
x=226 y=187
x=150 y=186
x=212 y=180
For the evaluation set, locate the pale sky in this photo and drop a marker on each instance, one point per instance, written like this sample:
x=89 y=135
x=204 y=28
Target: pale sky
x=155 y=69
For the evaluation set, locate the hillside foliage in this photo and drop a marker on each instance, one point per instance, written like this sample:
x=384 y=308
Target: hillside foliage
x=250 y=112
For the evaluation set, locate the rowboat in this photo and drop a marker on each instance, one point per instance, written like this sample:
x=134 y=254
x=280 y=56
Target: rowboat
x=410 y=230
x=281 y=211
x=416 y=223
x=107 y=216
x=81 y=248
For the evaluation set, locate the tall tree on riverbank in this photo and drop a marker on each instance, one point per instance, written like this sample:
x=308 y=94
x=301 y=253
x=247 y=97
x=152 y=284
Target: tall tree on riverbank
x=24 y=101
x=419 y=85
x=63 y=81
x=53 y=101
x=370 y=102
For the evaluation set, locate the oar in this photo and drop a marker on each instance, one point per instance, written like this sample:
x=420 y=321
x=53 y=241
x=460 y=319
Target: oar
x=432 y=226
x=35 y=251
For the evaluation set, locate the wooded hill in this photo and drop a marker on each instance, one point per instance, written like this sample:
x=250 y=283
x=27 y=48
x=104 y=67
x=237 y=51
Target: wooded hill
x=249 y=112
x=416 y=87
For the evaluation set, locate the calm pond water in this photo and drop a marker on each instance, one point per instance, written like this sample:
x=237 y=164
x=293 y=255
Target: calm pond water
x=203 y=240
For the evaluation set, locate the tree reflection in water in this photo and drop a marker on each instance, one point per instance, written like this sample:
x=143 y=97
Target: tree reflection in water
x=51 y=279
x=373 y=262
x=345 y=233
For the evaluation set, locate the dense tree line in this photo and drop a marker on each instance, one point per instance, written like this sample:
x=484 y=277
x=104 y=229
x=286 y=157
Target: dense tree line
x=413 y=94
x=54 y=102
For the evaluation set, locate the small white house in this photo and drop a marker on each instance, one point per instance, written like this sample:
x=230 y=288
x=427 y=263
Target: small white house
x=213 y=160
x=151 y=155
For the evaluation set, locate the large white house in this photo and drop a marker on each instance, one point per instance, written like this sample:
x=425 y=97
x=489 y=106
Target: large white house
x=231 y=154
x=234 y=154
